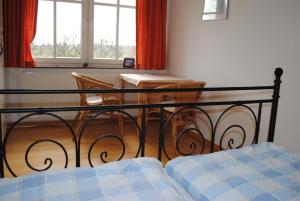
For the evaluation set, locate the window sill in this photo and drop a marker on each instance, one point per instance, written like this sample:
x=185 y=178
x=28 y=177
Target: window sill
x=92 y=66
x=60 y=70
x=73 y=67
x=108 y=65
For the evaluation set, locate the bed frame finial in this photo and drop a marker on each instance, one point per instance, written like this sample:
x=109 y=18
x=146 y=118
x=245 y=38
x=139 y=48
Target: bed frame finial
x=278 y=73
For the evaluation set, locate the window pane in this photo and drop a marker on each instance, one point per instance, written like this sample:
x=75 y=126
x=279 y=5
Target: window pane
x=127 y=41
x=106 y=1
x=68 y=30
x=42 y=45
x=128 y=2
x=210 y=6
x=105 y=32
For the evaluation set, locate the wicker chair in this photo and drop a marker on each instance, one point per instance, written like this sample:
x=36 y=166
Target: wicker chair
x=184 y=117
x=85 y=82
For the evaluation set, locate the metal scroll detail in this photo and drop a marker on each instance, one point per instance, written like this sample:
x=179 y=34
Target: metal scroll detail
x=193 y=144
x=186 y=131
x=104 y=154
x=226 y=137
x=47 y=161
x=232 y=141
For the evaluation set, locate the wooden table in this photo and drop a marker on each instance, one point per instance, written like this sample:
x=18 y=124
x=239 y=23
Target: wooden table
x=147 y=81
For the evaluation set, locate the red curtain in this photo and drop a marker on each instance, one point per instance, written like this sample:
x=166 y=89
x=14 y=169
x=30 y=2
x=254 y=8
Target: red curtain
x=19 y=28
x=151 y=34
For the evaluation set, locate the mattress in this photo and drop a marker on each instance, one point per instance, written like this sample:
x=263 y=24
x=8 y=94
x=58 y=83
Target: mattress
x=256 y=173
x=139 y=179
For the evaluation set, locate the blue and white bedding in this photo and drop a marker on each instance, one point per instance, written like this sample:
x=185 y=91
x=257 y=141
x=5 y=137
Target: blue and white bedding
x=141 y=179
x=257 y=173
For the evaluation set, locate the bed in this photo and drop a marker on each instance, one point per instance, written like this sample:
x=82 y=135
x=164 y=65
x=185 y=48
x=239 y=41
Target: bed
x=255 y=172
x=133 y=179
x=263 y=172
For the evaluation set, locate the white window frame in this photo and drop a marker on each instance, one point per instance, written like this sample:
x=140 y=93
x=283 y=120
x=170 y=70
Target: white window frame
x=87 y=47
x=218 y=14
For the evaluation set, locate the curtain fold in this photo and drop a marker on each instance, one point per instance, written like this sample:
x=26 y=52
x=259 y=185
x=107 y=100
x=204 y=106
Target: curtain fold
x=19 y=28
x=151 y=34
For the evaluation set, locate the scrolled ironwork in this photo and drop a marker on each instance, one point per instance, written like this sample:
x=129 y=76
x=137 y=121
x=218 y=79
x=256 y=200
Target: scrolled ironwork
x=47 y=160
x=104 y=154
x=193 y=144
x=183 y=132
x=231 y=140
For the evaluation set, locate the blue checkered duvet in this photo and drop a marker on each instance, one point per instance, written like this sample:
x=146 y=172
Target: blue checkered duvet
x=140 y=179
x=258 y=173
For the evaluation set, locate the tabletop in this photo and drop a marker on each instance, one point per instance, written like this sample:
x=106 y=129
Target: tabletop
x=137 y=79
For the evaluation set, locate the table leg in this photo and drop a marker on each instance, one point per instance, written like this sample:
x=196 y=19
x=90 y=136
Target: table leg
x=140 y=100
x=139 y=112
x=122 y=95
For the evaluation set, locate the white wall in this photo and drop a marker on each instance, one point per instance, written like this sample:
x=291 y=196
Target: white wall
x=243 y=50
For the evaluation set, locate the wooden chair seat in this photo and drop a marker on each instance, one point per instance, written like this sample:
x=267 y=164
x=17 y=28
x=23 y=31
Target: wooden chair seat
x=94 y=100
x=98 y=100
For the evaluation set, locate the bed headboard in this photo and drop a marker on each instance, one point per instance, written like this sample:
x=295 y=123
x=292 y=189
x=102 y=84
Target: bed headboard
x=215 y=140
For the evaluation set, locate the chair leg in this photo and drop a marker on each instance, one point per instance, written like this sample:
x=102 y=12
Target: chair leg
x=76 y=123
x=83 y=115
x=76 y=118
x=194 y=116
x=196 y=136
x=139 y=120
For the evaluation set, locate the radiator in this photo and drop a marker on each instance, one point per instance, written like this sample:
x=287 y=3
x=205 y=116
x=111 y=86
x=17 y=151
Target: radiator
x=53 y=79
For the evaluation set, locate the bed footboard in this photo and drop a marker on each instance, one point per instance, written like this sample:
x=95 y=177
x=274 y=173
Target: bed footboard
x=214 y=134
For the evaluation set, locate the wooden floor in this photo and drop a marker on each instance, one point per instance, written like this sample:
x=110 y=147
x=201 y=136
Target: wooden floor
x=21 y=138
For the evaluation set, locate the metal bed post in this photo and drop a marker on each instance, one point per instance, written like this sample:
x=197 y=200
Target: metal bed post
x=1 y=150
x=161 y=133
x=143 y=134
x=276 y=91
x=257 y=128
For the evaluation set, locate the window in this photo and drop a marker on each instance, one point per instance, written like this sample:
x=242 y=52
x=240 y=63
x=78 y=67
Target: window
x=85 y=31
x=215 y=9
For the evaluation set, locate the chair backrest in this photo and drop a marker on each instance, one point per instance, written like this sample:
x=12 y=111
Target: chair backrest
x=86 y=82
x=177 y=97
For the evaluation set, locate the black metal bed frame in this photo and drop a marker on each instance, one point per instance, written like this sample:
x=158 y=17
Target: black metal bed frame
x=100 y=110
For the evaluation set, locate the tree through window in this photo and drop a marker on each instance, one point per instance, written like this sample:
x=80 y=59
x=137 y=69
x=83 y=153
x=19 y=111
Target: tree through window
x=79 y=31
